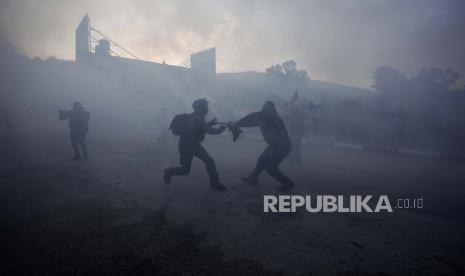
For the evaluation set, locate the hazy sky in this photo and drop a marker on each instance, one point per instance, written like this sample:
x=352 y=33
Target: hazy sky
x=338 y=41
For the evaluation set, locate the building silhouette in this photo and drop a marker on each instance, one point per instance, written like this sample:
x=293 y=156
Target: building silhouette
x=104 y=52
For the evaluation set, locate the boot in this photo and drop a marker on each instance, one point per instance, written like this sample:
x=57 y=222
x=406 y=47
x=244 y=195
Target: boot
x=166 y=177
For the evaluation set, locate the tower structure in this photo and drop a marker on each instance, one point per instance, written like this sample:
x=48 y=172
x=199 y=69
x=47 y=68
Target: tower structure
x=204 y=61
x=83 y=39
x=94 y=47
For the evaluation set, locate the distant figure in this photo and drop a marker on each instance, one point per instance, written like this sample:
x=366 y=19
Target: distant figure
x=78 y=126
x=279 y=145
x=295 y=118
x=192 y=129
x=295 y=122
x=398 y=124
x=4 y=119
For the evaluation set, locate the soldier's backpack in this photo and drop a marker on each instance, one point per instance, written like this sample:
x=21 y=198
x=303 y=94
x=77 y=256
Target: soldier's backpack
x=179 y=123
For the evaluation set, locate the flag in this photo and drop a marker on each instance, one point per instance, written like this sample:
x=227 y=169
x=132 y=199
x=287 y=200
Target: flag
x=294 y=98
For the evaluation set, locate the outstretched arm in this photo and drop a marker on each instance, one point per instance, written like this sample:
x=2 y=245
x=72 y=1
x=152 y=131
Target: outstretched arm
x=251 y=120
x=214 y=131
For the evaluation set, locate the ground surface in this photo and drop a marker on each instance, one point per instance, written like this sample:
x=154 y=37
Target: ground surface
x=113 y=215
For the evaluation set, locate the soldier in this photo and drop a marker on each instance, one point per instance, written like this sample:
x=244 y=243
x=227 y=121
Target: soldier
x=78 y=126
x=4 y=119
x=279 y=145
x=192 y=129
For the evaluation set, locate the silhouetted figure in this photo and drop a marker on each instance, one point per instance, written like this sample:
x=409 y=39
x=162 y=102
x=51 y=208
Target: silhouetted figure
x=191 y=136
x=398 y=124
x=296 y=118
x=4 y=119
x=295 y=122
x=279 y=145
x=78 y=126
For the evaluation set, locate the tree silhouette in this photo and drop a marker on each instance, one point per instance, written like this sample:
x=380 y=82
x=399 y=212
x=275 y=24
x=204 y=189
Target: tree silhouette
x=288 y=68
x=389 y=80
x=435 y=79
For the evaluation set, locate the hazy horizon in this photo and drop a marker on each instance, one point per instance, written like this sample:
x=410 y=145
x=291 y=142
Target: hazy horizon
x=340 y=42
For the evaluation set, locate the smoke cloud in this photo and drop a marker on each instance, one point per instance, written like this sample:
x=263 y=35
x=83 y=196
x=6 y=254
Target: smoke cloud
x=336 y=41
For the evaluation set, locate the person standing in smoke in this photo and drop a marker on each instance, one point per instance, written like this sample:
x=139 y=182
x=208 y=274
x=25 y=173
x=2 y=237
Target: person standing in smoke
x=295 y=119
x=4 y=119
x=78 y=126
x=398 y=123
x=192 y=129
x=279 y=145
x=295 y=122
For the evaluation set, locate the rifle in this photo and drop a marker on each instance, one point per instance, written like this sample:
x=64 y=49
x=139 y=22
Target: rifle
x=236 y=131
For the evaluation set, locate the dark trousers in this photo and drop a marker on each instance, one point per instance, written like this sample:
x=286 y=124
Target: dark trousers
x=269 y=161
x=78 y=141
x=187 y=151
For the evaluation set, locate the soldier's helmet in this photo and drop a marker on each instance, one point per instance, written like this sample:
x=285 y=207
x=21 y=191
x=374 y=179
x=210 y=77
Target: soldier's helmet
x=268 y=106
x=200 y=105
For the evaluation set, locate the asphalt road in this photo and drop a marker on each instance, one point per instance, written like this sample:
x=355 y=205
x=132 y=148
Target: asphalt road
x=113 y=215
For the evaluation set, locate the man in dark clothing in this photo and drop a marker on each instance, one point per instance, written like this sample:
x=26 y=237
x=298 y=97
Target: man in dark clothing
x=78 y=126
x=190 y=145
x=4 y=119
x=279 y=145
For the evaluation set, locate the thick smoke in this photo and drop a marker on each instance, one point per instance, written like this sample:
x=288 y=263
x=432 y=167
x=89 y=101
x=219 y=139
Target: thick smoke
x=337 y=41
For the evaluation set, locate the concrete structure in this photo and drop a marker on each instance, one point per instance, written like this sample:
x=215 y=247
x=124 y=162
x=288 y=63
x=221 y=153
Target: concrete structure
x=83 y=40
x=101 y=52
x=204 y=62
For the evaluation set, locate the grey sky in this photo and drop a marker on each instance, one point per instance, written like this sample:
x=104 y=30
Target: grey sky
x=338 y=41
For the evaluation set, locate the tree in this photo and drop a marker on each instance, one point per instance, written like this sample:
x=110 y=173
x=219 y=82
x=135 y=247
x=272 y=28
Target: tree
x=275 y=70
x=435 y=79
x=288 y=68
x=389 y=80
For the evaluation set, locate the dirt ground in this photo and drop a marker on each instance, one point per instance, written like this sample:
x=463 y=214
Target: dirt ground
x=112 y=214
